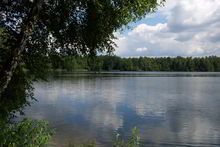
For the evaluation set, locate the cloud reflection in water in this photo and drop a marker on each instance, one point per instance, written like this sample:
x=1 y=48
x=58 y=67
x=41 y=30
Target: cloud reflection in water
x=170 y=111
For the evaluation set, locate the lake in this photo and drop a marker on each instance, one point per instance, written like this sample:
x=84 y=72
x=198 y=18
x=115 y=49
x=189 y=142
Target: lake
x=171 y=109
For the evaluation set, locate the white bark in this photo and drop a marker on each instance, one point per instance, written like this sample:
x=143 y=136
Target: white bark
x=6 y=78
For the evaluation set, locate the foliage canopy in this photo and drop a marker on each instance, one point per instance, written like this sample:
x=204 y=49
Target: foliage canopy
x=74 y=26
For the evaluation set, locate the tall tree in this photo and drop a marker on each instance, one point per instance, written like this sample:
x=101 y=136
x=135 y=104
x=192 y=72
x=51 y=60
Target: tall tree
x=39 y=28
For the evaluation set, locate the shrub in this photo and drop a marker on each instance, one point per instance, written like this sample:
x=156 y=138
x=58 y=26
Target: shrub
x=26 y=133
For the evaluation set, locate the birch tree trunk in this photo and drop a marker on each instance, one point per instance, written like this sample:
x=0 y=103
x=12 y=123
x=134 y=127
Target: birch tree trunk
x=8 y=73
x=28 y=27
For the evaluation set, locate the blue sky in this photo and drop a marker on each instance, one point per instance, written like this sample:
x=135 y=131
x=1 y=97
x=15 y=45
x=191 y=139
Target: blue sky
x=180 y=28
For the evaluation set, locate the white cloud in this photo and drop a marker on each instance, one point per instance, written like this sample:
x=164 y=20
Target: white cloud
x=191 y=29
x=142 y=28
x=144 y=49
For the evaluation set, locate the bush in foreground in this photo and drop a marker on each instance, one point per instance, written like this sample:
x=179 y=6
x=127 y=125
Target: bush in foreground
x=27 y=133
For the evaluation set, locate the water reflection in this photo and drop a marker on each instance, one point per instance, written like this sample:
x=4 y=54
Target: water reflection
x=170 y=111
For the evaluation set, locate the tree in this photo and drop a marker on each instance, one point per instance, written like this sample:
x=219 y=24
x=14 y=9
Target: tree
x=38 y=28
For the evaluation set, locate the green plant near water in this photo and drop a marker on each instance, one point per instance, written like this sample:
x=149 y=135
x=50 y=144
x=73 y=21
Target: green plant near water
x=26 y=133
x=133 y=141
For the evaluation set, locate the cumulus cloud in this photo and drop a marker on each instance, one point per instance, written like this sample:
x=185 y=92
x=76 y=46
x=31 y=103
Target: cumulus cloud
x=191 y=29
x=144 y=49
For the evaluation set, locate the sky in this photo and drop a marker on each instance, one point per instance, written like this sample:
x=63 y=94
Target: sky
x=180 y=28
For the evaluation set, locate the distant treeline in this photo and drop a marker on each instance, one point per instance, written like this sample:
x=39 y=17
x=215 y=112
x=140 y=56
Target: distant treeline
x=115 y=63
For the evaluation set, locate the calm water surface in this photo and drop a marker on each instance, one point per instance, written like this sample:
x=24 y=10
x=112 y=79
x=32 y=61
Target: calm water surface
x=170 y=109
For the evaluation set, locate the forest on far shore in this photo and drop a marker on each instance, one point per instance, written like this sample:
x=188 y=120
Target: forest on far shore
x=116 y=63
